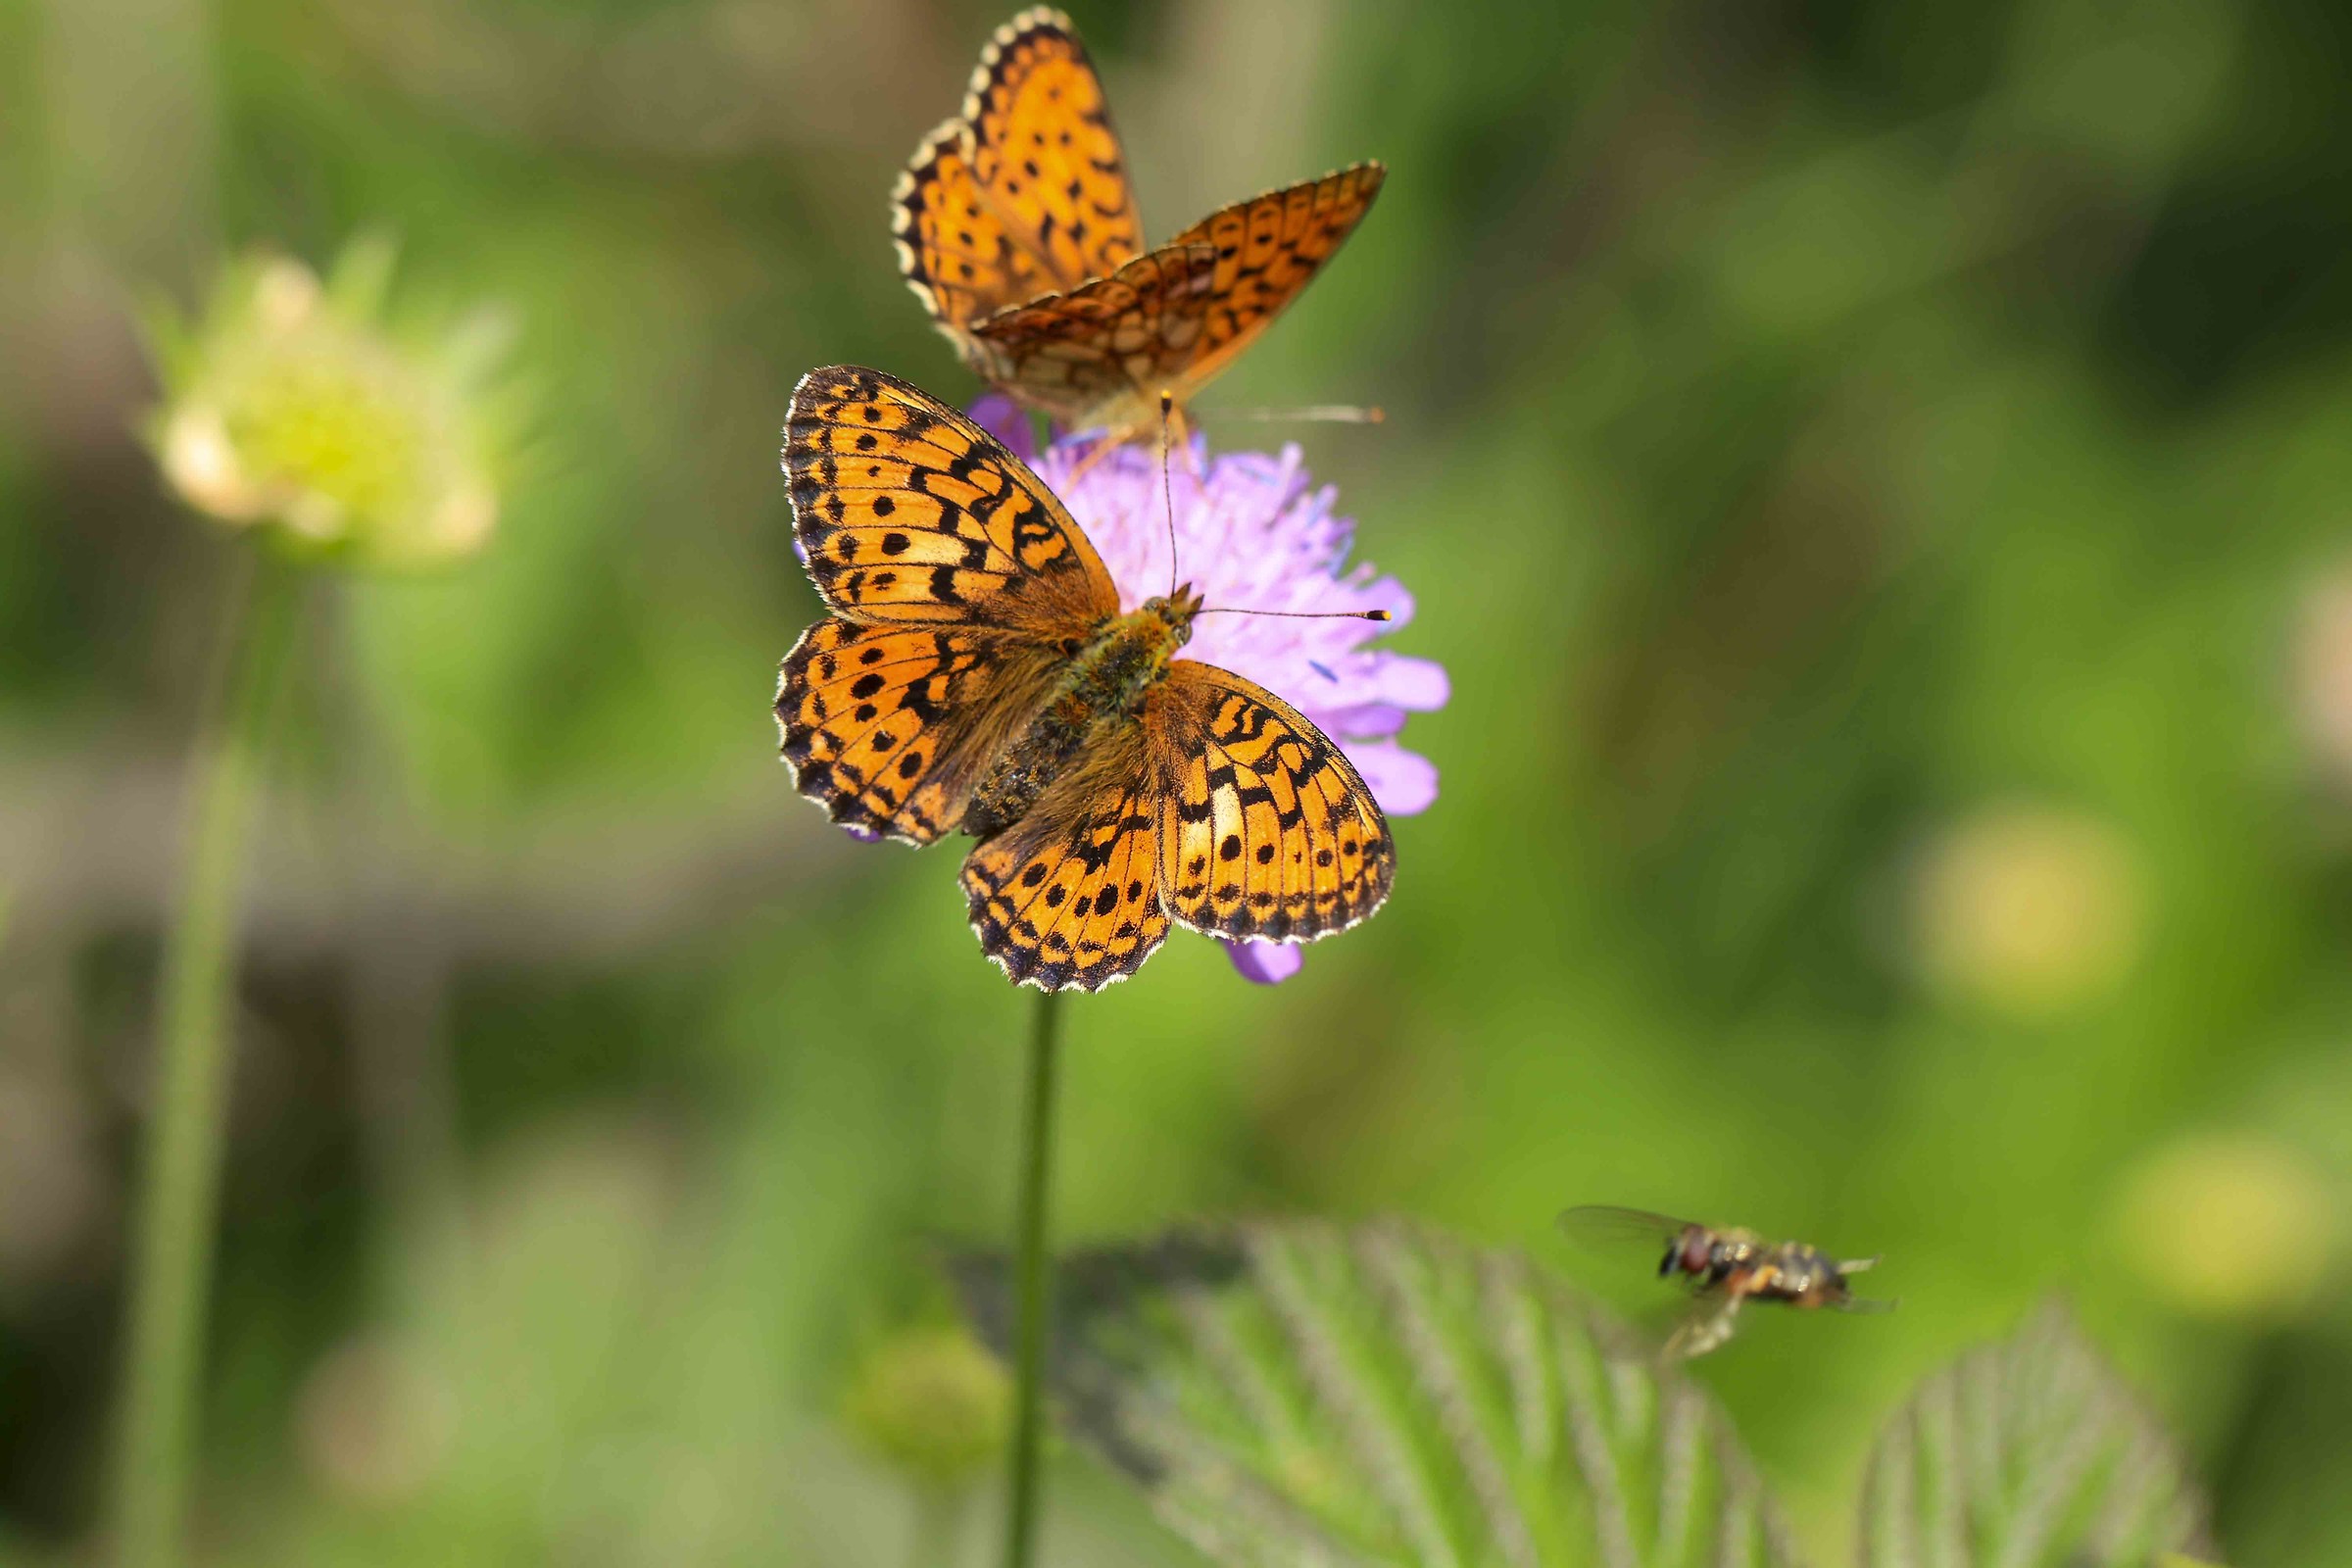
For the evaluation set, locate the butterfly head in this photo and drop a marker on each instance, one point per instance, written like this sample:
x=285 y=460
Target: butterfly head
x=1176 y=610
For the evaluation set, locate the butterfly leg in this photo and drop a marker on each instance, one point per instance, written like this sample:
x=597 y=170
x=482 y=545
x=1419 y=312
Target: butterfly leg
x=1105 y=444
x=1180 y=439
x=1858 y=1265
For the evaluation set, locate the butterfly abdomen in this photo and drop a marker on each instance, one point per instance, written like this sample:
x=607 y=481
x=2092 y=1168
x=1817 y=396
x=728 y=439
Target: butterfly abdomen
x=1104 y=684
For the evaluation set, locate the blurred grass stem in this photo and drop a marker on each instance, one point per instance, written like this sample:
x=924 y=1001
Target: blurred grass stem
x=179 y=1184
x=1033 y=1278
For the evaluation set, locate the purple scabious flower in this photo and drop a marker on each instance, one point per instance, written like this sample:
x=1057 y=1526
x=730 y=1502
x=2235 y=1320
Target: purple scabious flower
x=1255 y=533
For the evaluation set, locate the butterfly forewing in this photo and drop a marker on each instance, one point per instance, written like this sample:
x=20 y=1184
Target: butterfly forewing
x=955 y=251
x=1018 y=229
x=1024 y=193
x=1069 y=896
x=1041 y=149
x=1266 y=830
x=907 y=512
x=890 y=727
x=1268 y=249
x=961 y=593
x=1172 y=320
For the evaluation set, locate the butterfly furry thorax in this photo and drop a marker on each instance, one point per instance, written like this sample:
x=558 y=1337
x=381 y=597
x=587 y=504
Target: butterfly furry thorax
x=976 y=674
x=1102 y=686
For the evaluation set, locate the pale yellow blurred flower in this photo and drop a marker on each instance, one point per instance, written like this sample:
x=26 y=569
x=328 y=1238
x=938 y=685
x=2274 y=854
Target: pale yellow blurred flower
x=2029 y=909
x=299 y=409
x=2323 y=674
x=933 y=1404
x=2229 y=1225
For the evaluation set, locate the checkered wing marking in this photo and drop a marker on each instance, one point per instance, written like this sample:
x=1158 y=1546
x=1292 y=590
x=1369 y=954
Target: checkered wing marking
x=890 y=727
x=909 y=513
x=1044 y=153
x=1124 y=336
x=1268 y=249
x=1266 y=830
x=1068 y=897
x=1024 y=193
x=953 y=251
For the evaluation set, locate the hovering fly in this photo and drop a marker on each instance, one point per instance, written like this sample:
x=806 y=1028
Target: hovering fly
x=1724 y=1268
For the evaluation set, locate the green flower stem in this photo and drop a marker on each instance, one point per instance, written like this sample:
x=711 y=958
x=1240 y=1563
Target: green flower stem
x=1032 y=1278
x=179 y=1184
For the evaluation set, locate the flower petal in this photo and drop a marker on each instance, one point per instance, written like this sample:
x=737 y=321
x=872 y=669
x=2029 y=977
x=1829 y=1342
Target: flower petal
x=1265 y=963
x=1365 y=722
x=1420 y=684
x=1007 y=422
x=1402 y=782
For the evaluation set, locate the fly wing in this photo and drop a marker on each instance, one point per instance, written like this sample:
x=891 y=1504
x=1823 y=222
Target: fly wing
x=1605 y=1225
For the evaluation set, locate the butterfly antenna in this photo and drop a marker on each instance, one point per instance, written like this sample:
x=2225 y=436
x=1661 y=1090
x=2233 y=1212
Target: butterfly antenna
x=1312 y=413
x=1167 y=489
x=1168 y=407
x=1301 y=614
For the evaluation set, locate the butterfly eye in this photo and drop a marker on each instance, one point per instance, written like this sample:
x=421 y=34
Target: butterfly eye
x=1072 y=646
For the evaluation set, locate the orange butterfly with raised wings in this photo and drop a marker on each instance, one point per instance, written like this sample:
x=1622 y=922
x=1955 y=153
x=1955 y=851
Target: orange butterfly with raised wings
x=976 y=674
x=1017 y=228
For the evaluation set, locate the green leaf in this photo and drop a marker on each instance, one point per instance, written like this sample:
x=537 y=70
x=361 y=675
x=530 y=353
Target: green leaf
x=2029 y=1453
x=1300 y=1393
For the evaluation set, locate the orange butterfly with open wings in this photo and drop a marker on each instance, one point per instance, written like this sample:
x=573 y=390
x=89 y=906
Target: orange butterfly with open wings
x=1018 y=229
x=976 y=674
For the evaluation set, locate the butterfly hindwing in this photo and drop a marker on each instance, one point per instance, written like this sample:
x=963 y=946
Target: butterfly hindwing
x=1266 y=829
x=1070 y=894
x=1100 y=354
x=890 y=727
x=909 y=513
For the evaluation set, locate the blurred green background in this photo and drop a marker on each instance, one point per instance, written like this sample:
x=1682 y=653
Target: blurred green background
x=1879 y=476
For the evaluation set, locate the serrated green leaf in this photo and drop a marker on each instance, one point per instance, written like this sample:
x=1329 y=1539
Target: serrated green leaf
x=1302 y=1393
x=2029 y=1453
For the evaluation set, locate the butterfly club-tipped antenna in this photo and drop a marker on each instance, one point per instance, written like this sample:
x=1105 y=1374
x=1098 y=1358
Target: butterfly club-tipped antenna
x=1167 y=493
x=1312 y=414
x=1299 y=615
x=1168 y=498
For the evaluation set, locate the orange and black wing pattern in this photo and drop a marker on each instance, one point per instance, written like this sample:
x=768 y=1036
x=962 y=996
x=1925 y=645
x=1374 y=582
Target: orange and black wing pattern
x=954 y=576
x=1268 y=249
x=890 y=727
x=1025 y=192
x=1172 y=320
x=1265 y=830
x=1069 y=896
x=1017 y=228
x=908 y=513
x=1101 y=354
